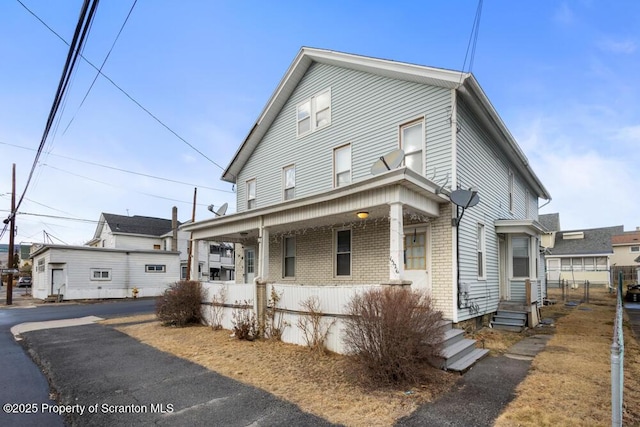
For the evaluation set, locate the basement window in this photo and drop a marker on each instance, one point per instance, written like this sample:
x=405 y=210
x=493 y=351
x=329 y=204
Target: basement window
x=155 y=268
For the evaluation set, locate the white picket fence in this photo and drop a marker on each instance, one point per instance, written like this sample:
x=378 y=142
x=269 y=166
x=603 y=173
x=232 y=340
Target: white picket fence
x=333 y=300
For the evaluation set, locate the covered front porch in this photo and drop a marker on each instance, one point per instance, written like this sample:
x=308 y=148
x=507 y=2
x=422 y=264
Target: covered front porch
x=350 y=235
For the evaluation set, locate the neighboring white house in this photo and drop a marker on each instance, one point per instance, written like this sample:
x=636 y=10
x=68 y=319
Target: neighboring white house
x=312 y=219
x=580 y=255
x=140 y=252
x=83 y=272
x=626 y=255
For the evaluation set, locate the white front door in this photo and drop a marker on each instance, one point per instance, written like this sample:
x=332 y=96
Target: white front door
x=417 y=258
x=57 y=280
x=249 y=265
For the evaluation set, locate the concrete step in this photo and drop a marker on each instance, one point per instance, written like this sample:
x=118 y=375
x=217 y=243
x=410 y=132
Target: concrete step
x=53 y=298
x=457 y=351
x=451 y=336
x=507 y=321
x=511 y=314
x=463 y=364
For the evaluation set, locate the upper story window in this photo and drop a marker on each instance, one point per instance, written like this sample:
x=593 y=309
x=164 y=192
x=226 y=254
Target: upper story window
x=412 y=142
x=526 y=204
x=342 y=165
x=251 y=194
x=314 y=113
x=289 y=181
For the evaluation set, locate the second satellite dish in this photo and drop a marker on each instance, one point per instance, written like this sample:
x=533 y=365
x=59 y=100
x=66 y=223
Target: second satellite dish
x=465 y=198
x=387 y=162
x=221 y=210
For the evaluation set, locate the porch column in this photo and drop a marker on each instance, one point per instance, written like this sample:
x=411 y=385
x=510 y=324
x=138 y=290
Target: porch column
x=195 y=256
x=396 y=242
x=260 y=305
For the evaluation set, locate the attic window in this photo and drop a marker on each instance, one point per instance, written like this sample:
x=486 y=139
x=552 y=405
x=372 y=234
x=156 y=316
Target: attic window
x=314 y=113
x=573 y=235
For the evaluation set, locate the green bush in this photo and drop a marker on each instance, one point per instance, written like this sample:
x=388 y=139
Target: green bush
x=180 y=305
x=392 y=333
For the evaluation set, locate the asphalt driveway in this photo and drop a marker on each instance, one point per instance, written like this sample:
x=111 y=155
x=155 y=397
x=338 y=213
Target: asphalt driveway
x=105 y=377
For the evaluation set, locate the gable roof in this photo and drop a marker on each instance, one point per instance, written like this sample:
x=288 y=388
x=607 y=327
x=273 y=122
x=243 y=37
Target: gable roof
x=465 y=83
x=595 y=241
x=550 y=221
x=145 y=225
x=626 y=238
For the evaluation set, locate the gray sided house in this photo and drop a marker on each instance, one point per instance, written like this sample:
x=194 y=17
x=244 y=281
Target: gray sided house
x=577 y=256
x=311 y=214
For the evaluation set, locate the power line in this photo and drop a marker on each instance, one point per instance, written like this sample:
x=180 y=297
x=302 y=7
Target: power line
x=101 y=67
x=473 y=38
x=123 y=170
x=115 y=186
x=82 y=27
x=126 y=94
x=54 y=216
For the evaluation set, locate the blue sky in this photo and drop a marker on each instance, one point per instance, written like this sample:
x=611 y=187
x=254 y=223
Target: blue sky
x=562 y=75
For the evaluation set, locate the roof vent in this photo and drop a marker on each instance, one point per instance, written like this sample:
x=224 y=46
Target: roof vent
x=574 y=235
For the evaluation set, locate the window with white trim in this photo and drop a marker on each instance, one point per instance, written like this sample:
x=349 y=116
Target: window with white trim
x=314 y=113
x=251 y=194
x=634 y=249
x=289 y=182
x=520 y=256
x=100 y=274
x=342 y=165
x=481 y=251
x=412 y=142
x=155 y=268
x=343 y=252
x=289 y=256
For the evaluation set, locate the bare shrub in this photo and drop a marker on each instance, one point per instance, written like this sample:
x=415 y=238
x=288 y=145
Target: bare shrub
x=217 y=308
x=392 y=333
x=180 y=305
x=314 y=328
x=275 y=323
x=245 y=323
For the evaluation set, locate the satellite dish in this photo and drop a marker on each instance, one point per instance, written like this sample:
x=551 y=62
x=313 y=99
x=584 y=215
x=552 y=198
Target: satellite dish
x=465 y=198
x=387 y=162
x=222 y=210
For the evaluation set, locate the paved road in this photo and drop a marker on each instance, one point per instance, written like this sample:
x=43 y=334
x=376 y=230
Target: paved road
x=97 y=365
x=21 y=381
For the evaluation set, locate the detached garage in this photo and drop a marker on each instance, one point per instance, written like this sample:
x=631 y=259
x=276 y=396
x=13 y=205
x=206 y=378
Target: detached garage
x=83 y=272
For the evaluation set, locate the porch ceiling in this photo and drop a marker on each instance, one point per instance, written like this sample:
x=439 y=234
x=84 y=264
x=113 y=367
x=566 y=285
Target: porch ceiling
x=334 y=208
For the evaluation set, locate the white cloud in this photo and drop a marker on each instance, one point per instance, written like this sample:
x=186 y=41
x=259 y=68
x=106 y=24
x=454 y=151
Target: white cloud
x=618 y=46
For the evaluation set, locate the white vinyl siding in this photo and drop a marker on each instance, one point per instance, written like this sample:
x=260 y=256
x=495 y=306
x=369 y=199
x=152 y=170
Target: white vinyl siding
x=365 y=111
x=342 y=165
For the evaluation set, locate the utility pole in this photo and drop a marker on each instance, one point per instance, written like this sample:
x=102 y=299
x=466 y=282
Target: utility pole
x=190 y=247
x=12 y=227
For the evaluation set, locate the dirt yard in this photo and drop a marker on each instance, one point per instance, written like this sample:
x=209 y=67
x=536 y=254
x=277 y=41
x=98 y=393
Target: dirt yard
x=568 y=384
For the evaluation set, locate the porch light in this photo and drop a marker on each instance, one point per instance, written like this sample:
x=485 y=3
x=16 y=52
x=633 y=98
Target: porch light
x=363 y=215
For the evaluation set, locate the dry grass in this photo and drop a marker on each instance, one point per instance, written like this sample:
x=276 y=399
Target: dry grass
x=569 y=383
x=320 y=384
